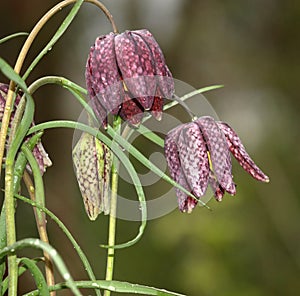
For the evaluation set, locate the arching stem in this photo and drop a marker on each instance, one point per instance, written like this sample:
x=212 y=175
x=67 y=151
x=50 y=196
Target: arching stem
x=23 y=54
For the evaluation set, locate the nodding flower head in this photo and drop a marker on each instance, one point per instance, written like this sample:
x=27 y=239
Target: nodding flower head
x=198 y=155
x=126 y=74
x=39 y=152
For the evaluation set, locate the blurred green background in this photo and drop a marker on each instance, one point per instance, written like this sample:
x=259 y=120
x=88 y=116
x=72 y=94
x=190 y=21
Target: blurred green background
x=249 y=245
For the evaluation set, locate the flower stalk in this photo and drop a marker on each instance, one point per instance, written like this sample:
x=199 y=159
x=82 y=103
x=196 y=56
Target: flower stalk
x=41 y=225
x=23 y=53
x=9 y=190
x=113 y=212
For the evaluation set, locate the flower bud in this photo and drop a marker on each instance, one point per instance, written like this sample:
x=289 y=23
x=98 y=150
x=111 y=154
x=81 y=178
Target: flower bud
x=92 y=162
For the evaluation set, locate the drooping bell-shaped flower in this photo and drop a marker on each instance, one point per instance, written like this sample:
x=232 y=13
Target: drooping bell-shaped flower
x=38 y=151
x=126 y=74
x=92 y=162
x=198 y=155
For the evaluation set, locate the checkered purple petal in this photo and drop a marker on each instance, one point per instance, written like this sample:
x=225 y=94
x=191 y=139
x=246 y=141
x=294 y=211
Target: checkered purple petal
x=171 y=152
x=193 y=157
x=136 y=64
x=164 y=76
x=219 y=152
x=239 y=152
x=102 y=75
x=176 y=171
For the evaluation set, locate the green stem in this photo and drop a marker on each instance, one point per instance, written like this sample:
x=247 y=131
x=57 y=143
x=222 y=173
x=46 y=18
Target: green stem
x=112 y=227
x=18 y=66
x=2 y=245
x=113 y=213
x=115 y=147
x=124 y=144
x=27 y=45
x=10 y=231
x=9 y=194
x=65 y=230
x=37 y=194
x=38 y=244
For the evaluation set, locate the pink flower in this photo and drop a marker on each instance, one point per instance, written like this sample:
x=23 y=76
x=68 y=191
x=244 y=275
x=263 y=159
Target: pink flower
x=198 y=155
x=126 y=74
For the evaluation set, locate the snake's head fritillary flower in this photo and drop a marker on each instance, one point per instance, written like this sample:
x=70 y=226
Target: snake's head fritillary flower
x=39 y=152
x=92 y=162
x=126 y=74
x=198 y=155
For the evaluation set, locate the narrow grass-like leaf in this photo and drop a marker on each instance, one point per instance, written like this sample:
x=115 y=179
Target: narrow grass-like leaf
x=147 y=163
x=37 y=276
x=114 y=286
x=9 y=37
x=143 y=130
x=191 y=94
x=38 y=244
x=122 y=157
x=63 y=27
x=9 y=188
x=81 y=100
x=21 y=270
x=127 y=146
x=38 y=181
x=65 y=230
x=9 y=72
x=21 y=161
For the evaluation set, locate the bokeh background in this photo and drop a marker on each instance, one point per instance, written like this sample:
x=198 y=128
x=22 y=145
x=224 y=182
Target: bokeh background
x=249 y=245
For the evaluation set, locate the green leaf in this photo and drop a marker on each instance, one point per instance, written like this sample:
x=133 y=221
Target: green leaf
x=15 y=145
x=9 y=72
x=38 y=244
x=65 y=230
x=114 y=286
x=21 y=161
x=122 y=157
x=9 y=37
x=21 y=270
x=63 y=27
x=38 y=182
x=119 y=140
x=143 y=130
x=147 y=163
x=37 y=276
x=191 y=94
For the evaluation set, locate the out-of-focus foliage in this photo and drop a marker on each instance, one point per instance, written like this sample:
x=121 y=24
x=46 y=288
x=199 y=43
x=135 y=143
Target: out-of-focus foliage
x=248 y=244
